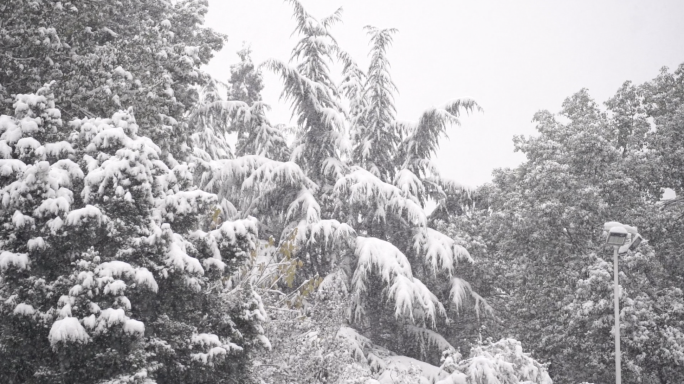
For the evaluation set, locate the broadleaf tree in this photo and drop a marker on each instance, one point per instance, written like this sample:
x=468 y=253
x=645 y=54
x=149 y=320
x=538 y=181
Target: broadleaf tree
x=542 y=225
x=105 y=56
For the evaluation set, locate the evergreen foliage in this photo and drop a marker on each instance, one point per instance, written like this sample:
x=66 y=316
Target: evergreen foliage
x=106 y=273
x=256 y=135
x=315 y=99
x=365 y=224
x=376 y=132
x=137 y=240
x=210 y=120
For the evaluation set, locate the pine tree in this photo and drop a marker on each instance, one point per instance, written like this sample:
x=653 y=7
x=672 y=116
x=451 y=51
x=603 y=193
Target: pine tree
x=256 y=135
x=372 y=231
x=386 y=207
x=111 y=269
x=210 y=120
x=246 y=81
x=315 y=99
x=377 y=135
x=214 y=117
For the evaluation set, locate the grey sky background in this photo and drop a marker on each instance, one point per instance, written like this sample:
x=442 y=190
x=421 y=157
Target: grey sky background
x=513 y=57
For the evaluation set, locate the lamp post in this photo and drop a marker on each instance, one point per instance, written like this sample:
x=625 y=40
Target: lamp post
x=617 y=236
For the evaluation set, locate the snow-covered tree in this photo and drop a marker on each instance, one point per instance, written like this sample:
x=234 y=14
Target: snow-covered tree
x=343 y=218
x=210 y=121
x=255 y=134
x=109 y=271
x=663 y=166
x=376 y=133
x=110 y=55
x=316 y=103
x=384 y=204
x=502 y=362
x=246 y=81
x=121 y=263
x=651 y=315
x=241 y=112
x=542 y=226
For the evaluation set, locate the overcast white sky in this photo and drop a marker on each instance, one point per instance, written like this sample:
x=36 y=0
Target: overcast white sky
x=513 y=57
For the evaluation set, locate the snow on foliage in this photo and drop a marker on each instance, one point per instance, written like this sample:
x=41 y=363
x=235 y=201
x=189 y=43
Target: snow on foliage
x=461 y=290
x=439 y=250
x=24 y=309
x=104 y=219
x=429 y=338
x=403 y=369
x=86 y=215
x=108 y=218
x=375 y=134
x=259 y=184
x=177 y=206
x=149 y=59
x=324 y=233
x=375 y=198
x=410 y=184
x=502 y=362
x=275 y=173
x=225 y=177
x=314 y=97
x=216 y=348
x=378 y=257
x=226 y=238
x=134 y=327
x=141 y=275
x=9 y=167
x=357 y=342
x=66 y=330
x=10 y=259
x=423 y=138
x=177 y=257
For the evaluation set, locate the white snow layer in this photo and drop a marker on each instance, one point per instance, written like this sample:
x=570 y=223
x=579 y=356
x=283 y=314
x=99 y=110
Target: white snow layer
x=409 y=293
x=20 y=220
x=362 y=187
x=68 y=329
x=206 y=340
x=86 y=215
x=24 y=309
x=441 y=252
x=178 y=258
x=141 y=276
x=134 y=327
x=18 y=260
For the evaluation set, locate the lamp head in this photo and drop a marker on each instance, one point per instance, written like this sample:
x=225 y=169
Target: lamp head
x=635 y=243
x=616 y=236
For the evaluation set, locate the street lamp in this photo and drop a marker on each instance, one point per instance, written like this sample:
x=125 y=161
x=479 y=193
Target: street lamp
x=635 y=243
x=617 y=236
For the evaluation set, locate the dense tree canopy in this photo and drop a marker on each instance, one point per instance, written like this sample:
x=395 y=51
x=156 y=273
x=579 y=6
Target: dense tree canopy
x=106 y=272
x=110 y=55
x=156 y=226
x=542 y=223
